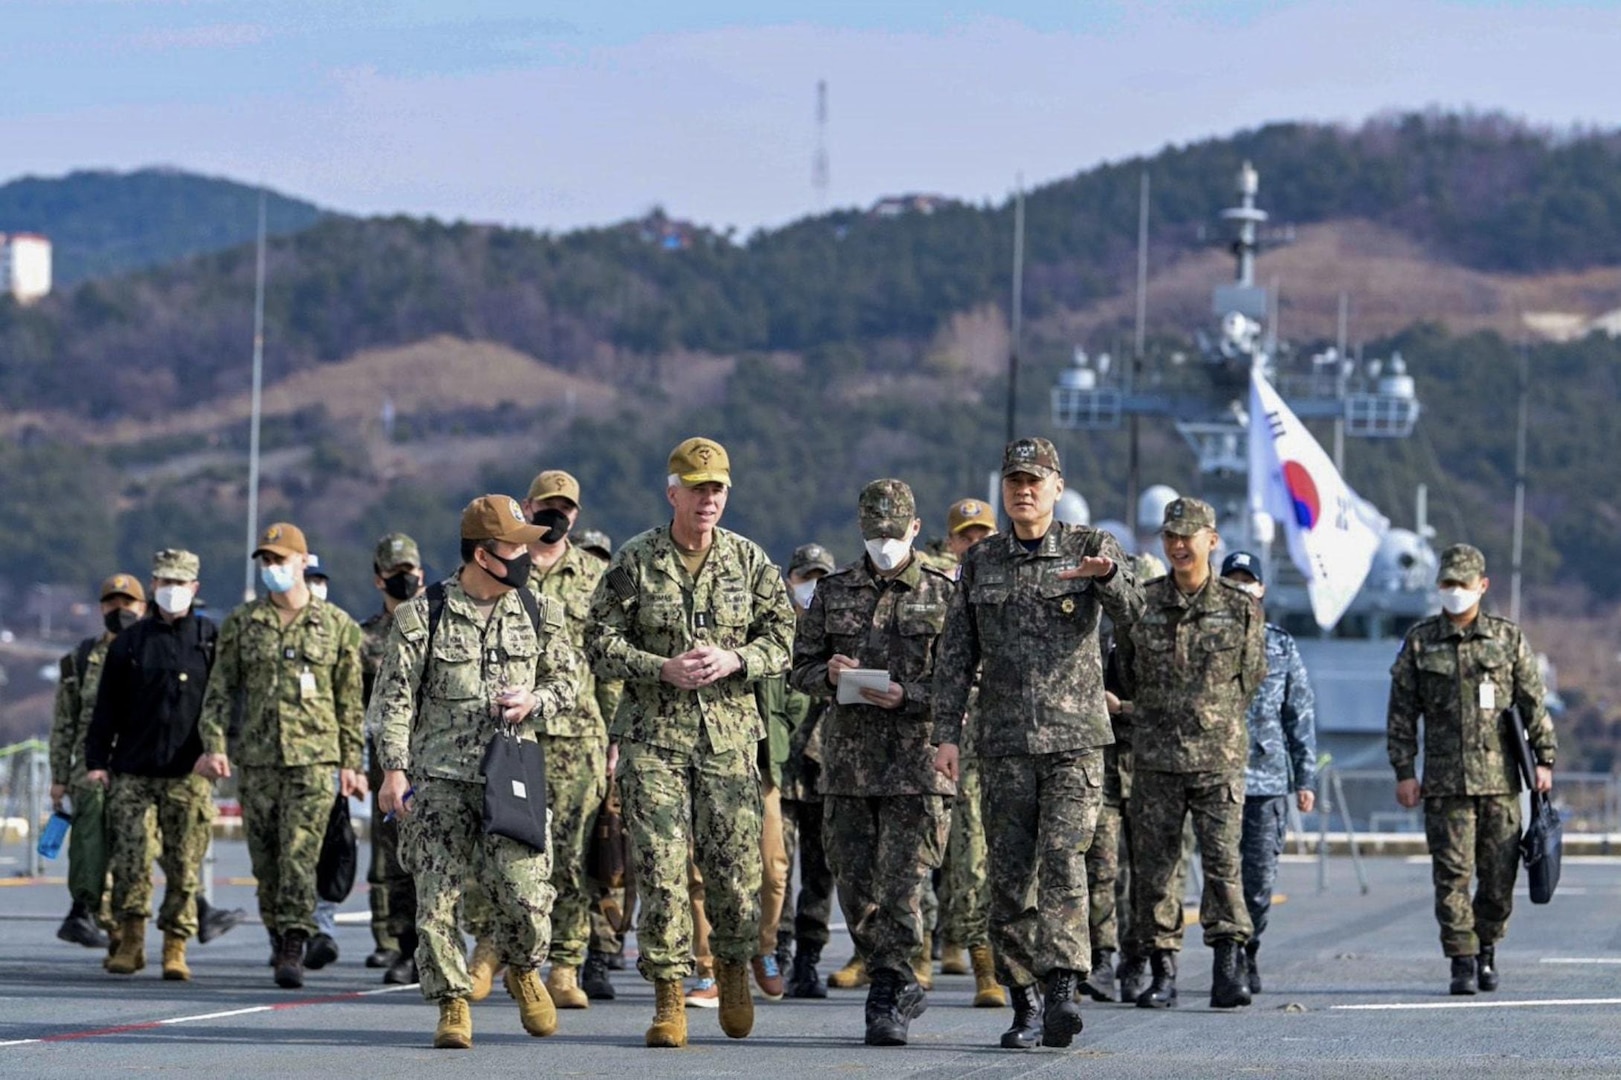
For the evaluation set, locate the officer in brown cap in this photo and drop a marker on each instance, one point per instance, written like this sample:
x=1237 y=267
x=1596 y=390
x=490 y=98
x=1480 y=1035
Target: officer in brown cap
x=1457 y=672
x=1190 y=666
x=1024 y=619
x=476 y=657
x=690 y=616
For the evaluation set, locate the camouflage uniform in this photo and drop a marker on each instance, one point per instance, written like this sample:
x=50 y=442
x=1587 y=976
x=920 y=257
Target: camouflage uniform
x=687 y=769
x=440 y=744
x=184 y=808
x=293 y=736
x=887 y=811
x=1471 y=783
x=1041 y=726
x=802 y=829
x=1282 y=761
x=1189 y=666
x=384 y=866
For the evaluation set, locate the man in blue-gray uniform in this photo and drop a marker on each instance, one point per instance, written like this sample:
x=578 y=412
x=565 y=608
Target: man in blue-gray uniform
x=1283 y=759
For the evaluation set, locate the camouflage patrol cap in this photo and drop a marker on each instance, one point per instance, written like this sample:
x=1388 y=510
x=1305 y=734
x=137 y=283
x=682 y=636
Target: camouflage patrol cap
x=555 y=484
x=1036 y=456
x=965 y=513
x=395 y=549
x=173 y=564
x=123 y=585
x=886 y=509
x=1184 y=517
x=811 y=557
x=596 y=542
x=700 y=461
x=1461 y=562
x=282 y=539
x=498 y=517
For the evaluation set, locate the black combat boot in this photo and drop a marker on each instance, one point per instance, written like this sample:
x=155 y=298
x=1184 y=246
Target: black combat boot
x=804 y=981
x=213 y=922
x=886 y=1022
x=1463 y=976
x=290 y=960
x=321 y=951
x=1061 y=1019
x=1132 y=975
x=275 y=948
x=594 y=977
x=1252 y=972
x=80 y=929
x=785 y=949
x=1161 y=993
x=1229 y=988
x=1486 y=968
x=403 y=971
x=1026 y=1030
x=1100 y=984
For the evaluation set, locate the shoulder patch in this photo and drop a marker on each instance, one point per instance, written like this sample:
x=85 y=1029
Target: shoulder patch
x=412 y=619
x=620 y=584
x=553 y=613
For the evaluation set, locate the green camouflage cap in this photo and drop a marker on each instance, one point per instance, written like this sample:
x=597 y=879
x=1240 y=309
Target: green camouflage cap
x=176 y=565
x=595 y=541
x=886 y=509
x=1184 y=517
x=396 y=549
x=1038 y=457
x=808 y=557
x=1461 y=562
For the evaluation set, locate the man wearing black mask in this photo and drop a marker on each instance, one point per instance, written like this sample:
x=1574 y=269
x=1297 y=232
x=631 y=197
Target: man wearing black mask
x=397 y=574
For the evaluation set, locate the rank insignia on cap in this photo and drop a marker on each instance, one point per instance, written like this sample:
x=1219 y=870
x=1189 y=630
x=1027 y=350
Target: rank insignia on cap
x=970 y=509
x=703 y=454
x=273 y=533
x=120 y=582
x=515 y=510
x=398 y=547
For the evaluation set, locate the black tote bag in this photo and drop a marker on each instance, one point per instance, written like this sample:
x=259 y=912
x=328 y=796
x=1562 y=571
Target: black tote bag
x=515 y=790
x=1543 y=841
x=335 y=869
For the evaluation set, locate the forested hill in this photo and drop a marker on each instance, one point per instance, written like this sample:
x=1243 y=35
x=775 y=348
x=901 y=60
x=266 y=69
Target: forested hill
x=103 y=223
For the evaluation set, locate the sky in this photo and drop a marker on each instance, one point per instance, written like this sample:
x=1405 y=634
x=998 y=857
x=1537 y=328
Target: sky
x=556 y=116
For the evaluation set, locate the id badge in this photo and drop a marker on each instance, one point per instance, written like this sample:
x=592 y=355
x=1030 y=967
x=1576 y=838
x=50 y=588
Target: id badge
x=1488 y=695
x=306 y=684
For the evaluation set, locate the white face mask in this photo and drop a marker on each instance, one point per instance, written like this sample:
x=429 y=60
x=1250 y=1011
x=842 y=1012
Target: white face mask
x=175 y=599
x=803 y=593
x=317 y=587
x=1456 y=601
x=888 y=554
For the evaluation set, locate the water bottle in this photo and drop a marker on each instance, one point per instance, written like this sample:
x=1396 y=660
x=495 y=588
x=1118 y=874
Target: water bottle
x=54 y=832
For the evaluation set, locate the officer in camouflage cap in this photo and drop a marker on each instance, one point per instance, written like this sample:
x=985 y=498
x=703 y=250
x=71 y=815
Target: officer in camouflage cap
x=596 y=542
x=397 y=575
x=1190 y=666
x=123 y=601
x=1457 y=672
x=293 y=660
x=887 y=812
x=466 y=662
x=1025 y=618
x=689 y=615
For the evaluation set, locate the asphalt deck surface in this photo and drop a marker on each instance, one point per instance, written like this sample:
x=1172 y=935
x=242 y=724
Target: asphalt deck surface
x=1356 y=986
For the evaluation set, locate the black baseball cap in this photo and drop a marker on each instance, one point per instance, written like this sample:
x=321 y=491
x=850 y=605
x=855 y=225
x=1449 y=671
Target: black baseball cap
x=1243 y=560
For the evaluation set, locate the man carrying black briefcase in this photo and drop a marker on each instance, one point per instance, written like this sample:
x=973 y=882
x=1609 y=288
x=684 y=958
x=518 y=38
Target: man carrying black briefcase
x=1460 y=670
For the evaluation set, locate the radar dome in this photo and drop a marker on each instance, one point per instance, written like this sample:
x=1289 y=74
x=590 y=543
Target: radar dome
x=1072 y=509
x=1403 y=561
x=1121 y=532
x=1151 y=506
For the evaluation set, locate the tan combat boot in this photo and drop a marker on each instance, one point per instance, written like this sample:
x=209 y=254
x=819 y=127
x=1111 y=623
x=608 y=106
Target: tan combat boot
x=131 y=954
x=988 y=993
x=849 y=976
x=535 y=1006
x=669 y=1015
x=953 y=960
x=114 y=936
x=174 y=958
x=563 y=984
x=923 y=963
x=481 y=969
x=455 y=1030
x=736 y=1002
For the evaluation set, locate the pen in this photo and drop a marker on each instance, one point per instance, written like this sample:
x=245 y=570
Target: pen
x=410 y=791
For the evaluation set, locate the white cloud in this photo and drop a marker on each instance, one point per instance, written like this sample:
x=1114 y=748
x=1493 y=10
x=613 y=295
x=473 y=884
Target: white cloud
x=718 y=125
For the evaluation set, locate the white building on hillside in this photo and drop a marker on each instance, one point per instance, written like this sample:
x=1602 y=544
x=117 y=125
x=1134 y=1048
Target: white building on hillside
x=25 y=266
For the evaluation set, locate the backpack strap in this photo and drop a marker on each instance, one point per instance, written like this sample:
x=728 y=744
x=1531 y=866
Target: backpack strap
x=532 y=607
x=81 y=658
x=436 y=611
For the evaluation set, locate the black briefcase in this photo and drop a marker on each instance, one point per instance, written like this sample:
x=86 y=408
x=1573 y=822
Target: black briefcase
x=335 y=869
x=515 y=790
x=1542 y=842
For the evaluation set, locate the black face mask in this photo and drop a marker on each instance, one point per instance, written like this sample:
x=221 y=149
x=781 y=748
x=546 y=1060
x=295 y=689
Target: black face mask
x=119 y=619
x=516 y=568
x=402 y=586
x=555 y=522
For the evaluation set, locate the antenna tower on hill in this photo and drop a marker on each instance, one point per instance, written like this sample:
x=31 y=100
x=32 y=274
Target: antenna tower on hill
x=819 y=167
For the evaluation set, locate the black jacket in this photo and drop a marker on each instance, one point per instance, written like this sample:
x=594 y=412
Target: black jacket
x=151 y=697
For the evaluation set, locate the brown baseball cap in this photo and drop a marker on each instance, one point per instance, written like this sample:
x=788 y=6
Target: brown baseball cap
x=1037 y=456
x=555 y=484
x=1184 y=517
x=123 y=585
x=498 y=517
x=700 y=461
x=282 y=539
x=967 y=512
